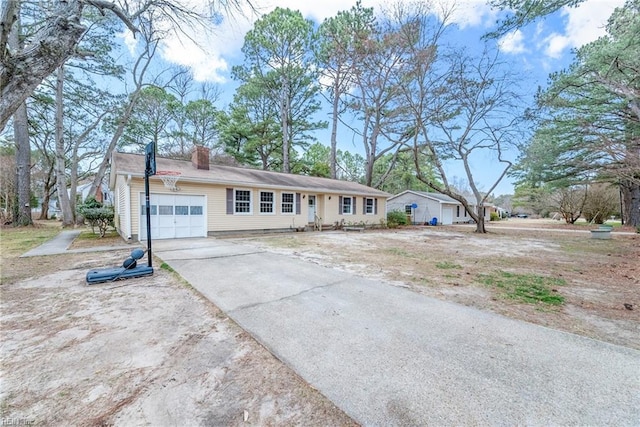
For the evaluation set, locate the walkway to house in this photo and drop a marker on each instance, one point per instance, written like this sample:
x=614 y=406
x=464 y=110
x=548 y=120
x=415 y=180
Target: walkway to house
x=60 y=244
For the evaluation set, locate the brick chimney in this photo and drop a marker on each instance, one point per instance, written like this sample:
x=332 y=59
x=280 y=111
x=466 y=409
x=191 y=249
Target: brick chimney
x=200 y=157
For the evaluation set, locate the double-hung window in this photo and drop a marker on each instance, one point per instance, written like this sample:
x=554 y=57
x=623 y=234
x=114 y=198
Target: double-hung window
x=287 y=204
x=242 y=201
x=347 y=205
x=266 y=202
x=369 y=206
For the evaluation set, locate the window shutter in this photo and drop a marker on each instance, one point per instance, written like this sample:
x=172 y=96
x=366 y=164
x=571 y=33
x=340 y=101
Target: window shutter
x=340 y=205
x=375 y=206
x=364 y=206
x=353 y=208
x=297 y=203
x=229 y=201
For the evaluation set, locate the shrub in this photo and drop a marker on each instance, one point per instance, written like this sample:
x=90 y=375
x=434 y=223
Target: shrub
x=396 y=218
x=97 y=215
x=494 y=216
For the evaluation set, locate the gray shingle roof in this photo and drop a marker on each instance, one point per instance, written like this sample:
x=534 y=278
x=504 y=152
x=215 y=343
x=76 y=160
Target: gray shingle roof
x=442 y=198
x=133 y=164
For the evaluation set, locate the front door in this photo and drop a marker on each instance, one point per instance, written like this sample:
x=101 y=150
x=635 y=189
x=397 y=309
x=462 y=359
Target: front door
x=312 y=208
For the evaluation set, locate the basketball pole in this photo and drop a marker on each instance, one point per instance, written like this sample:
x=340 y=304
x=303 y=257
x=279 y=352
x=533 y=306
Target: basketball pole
x=150 y=169
x=148 y=206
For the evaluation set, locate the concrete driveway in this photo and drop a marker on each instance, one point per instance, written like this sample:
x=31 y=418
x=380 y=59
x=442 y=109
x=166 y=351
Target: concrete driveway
x=388 y=356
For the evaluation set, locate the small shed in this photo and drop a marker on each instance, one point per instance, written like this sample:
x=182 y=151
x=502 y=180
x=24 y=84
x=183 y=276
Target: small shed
x=423 y=206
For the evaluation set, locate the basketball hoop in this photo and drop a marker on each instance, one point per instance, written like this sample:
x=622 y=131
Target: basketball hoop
x=169 y=179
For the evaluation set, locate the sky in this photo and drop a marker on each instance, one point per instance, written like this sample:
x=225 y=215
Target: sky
x=534 y=51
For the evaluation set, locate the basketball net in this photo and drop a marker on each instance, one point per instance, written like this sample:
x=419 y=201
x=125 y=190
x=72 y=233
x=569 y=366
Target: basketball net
x=169 y=179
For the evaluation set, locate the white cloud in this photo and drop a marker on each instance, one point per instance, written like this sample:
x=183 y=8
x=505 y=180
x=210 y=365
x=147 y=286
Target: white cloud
x=468 y=13
x=129 y=41
x=206 y=66
x=584 y=24
x=209 y=55
x=512 y=42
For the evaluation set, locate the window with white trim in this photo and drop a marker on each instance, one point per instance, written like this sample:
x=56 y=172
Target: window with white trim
x=369 y=208
x=242 y=201
x=408 y=209
x=266 y=202
x=287 y=204
x=347 y=206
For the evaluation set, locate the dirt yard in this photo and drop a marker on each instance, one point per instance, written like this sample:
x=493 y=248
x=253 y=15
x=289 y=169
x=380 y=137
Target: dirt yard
x=148 y=351
x=598 y=279
x=152 y=351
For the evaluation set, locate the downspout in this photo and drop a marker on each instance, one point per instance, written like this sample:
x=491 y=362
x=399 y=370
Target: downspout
x=127 y=205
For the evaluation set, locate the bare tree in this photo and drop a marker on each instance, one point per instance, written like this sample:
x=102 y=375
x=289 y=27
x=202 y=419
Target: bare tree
x=569 y=202
x=56 y=39
x=473 y=110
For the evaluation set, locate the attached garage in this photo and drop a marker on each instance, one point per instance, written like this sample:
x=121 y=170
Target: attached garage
x=203 y=199
x=174 y=216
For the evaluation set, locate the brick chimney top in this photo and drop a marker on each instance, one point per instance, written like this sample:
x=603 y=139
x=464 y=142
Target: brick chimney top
x=200 y=157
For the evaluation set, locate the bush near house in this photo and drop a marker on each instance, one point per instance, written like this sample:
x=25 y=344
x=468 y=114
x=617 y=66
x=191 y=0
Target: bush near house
x=396 y=218
x=493 y=216
x=97 y=215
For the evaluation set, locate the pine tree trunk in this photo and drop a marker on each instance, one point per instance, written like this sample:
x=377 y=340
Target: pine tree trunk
x=631 y=202
x=61 y=170
x=334 y=130
x=23 y=166
x=22 y=211
x=284 y=118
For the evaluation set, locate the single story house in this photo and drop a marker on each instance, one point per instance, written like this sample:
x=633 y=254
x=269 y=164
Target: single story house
x=211 y=199
x=103 y=193
x=422 y=207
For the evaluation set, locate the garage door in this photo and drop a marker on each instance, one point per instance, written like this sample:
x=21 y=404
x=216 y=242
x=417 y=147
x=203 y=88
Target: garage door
x=174 y=216
x=447 y=216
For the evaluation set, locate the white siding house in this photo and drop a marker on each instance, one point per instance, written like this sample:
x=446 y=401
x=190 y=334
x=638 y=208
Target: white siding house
x=422 y=207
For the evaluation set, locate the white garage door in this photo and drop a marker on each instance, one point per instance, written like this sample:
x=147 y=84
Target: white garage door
x=447 y=216
x=174 y=216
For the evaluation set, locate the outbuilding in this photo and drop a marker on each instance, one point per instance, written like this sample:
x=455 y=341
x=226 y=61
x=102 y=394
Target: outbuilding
x=422 y=207
x=198 y=199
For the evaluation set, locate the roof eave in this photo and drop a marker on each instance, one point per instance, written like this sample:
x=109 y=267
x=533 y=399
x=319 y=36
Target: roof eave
x=265 y=186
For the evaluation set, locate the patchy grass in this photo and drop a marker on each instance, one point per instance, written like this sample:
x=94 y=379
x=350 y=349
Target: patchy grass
x=399 y=252
x=447 y=265
x=165 y=266
x=527 y=288
x=92 y=236
x=15 y=241
x=602 y=247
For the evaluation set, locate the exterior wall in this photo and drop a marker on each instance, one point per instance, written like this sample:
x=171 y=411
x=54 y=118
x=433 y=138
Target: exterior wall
x=122 y=206
x=331 y=212
x=460 y=215
x=427 y=208
x=218 y=220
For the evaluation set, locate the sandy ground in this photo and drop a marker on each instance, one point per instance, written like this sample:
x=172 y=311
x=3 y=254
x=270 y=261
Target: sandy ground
x=602 y=277
x=148 y=351
x=152 y=351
